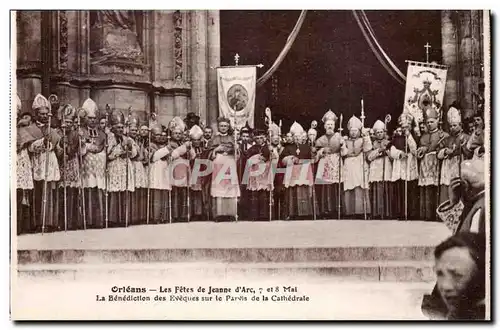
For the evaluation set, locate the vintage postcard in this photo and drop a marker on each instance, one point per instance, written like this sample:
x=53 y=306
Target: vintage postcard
x=250 y=165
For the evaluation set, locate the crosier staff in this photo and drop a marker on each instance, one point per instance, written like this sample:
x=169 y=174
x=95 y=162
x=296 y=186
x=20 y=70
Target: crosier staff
x=126 y=142
x=312 y=140
x=80 y=165
x=387 y=120
x=271 y=188
x=106 y=205
x=63 y=126
x=152 y=118
x=340 y=168
x=169 y=191
x=362 y=152
x=47 y=147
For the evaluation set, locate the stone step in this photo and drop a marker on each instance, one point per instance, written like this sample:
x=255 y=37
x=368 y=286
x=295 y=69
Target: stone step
x=228 y=255
x=393 y=271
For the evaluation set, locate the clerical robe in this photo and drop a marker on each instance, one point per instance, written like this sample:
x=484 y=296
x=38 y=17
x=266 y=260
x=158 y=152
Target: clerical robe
x=160 y=185
x=278 y=196
x=243 y=207
x=298 y=182
x=69 y=198
x=196 y=185
x=45 y=172
x=450 y=167
x=120 y=179
x=379 y=178
x=94 y=176
x=225 y=189
x=139 y=196
x=355 y=173
x=24 y=182
x=404 y=178
x=428 y=180
x=259 y=187
x=329 y=176
x=180 y=171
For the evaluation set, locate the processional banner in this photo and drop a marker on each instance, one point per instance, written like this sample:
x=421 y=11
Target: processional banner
x=425 y=87
x=236 y=89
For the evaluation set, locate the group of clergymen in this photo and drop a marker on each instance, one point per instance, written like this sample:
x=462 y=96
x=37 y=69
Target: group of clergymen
x=83 y=167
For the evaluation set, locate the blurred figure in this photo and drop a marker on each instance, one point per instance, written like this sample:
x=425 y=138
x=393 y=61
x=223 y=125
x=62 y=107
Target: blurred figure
x=460 y=271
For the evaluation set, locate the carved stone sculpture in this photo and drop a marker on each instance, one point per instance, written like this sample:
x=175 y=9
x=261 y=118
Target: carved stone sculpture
x=115 y=36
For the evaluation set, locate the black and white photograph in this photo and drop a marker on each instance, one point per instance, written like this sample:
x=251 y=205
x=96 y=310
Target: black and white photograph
x=250 y=165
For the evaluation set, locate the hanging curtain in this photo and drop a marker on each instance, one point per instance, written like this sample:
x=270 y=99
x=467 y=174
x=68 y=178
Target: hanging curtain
x=284 y=51
x=377 y=50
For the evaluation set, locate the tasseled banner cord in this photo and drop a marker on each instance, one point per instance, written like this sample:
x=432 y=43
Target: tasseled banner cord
x=377 y=50
x=368 y=33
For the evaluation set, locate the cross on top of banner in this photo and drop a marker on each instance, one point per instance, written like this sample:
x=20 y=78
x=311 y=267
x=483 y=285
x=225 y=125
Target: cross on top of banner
x=427 y=46
x=236 y=59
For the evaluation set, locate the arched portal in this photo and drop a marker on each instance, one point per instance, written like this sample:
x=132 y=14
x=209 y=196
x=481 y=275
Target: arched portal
x=330 y=64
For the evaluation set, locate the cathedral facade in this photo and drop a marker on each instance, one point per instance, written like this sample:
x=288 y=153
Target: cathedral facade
x=134 y=61
x=164 y=61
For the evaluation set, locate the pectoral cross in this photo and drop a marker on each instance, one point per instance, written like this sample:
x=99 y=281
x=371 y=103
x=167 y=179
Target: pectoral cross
x=427 y=46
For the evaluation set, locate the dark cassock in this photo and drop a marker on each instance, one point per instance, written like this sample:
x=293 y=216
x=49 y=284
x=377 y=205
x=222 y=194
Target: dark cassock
x=275 y=153
x=428 y=180
x=298 y=180
x=452 y=152
x=356 y=169
x=244 y=144
x=464 y=212
x=475 y=143
x=404 y=176
x=68 y=151
x=159 y=178
x=139 y=197
x=329 y=176
x=380 y=173
x=94 y=166
x=178 y=170
x=196 y=154
x=120 y=171
x=41 y=137
x=258 y=178
x=24 y=174
x=224 y=189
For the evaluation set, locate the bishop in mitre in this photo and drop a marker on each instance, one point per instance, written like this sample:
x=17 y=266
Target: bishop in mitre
x=452 y=152
x=41 y=141
x=94 y=165
x=225 y=189
x=404 y=175
x=356 y=169
x=159 y=178
x=298 y=187
x=380 y=173
x=428 y=180
x=329 y=167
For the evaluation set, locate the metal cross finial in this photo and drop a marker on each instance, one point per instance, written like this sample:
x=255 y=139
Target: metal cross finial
x=427 y=46
x=236 y=59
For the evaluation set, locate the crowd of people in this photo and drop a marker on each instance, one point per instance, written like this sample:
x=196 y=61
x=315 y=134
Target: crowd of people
x=81 y=168
x=84 y=167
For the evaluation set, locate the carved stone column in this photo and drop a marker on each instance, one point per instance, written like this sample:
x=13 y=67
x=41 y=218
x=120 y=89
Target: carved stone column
x=449 y=46
x=199 y=62
x=29 y=56
x=213 y=39
x=470 y=58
